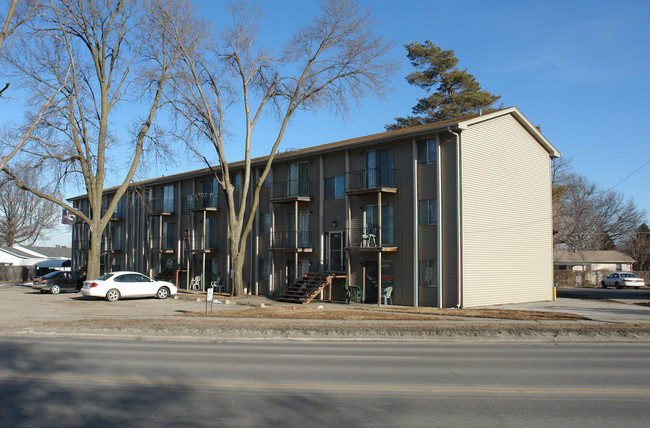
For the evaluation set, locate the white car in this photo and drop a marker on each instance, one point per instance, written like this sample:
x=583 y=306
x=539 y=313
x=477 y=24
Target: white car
x=622 y=279
x=116 y=285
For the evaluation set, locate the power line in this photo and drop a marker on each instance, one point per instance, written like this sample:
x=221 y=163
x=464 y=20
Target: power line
x=631 y=174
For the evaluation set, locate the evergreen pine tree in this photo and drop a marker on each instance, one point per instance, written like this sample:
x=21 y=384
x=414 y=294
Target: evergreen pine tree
x=457 y=93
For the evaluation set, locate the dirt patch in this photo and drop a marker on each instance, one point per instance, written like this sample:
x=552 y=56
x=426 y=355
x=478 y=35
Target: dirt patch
x=386 y=314
x=228 y=329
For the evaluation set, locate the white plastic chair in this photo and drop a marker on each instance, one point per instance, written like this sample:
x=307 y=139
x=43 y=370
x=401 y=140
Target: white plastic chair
x=386 y=295
x=195 y=283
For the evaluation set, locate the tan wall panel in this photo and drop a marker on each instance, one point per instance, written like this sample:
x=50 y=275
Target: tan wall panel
x=507 y=224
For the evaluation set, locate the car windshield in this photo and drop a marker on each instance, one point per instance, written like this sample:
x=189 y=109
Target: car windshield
x=104 y=277
x=628 y=275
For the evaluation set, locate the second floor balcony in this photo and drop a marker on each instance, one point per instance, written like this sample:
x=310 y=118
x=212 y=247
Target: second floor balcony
x=161 y=207
x=291 y=190
x=117 y=214
x=292 y=241
x=112 y=246
x=201 y=202
x=165 y=243
x=371 y=238
x=204 y=243
x=371 y=180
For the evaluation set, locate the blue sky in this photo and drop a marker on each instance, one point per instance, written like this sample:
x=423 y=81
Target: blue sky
x=579 y=69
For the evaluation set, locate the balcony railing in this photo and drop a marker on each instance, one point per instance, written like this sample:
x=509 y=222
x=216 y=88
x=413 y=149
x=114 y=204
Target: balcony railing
x=291 y=240
x=112 y=245
x=200 y=201
x=204 y=242
x=158 y=206
x=290 y=189
x=117 y=213
x=370 y=237
x=166 y=242
x=370 y=179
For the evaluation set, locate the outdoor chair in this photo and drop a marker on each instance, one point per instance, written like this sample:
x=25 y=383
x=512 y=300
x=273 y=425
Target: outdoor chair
x=219 y=288
x=195 y=283
x=386 y=295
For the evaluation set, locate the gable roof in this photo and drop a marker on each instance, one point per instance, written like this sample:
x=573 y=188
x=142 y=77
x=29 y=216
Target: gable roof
x=580 y=257
x=457 y=124
x=31 y=252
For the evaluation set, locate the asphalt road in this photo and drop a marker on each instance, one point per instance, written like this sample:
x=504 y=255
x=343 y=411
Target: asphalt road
x=67 y=382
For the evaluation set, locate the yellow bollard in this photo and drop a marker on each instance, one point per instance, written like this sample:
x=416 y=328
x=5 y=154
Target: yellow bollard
x=554 y=293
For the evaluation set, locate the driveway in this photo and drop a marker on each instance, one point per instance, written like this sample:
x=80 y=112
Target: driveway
x=598 y=304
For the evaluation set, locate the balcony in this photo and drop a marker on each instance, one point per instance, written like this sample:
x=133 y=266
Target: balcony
x=290 y=191
x=117 y=213
x=164 y=244
x=371 y=238
x=112 y=246
x=204 y=243
x=291 y=241
x=367 y=181
x=82 y=245
x=201 y=202
x=160 y=207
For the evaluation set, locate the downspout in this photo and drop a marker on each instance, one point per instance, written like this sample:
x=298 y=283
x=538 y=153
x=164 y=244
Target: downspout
x=459 y=273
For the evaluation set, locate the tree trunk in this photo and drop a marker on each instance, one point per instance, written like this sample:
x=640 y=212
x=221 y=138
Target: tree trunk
x=94 y=253
x=237 y=259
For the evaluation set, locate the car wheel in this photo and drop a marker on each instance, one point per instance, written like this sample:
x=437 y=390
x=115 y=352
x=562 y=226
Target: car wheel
x=618 y=287
x=163 y=293
x=113 y=295
x=55 y=289
x=603 y=284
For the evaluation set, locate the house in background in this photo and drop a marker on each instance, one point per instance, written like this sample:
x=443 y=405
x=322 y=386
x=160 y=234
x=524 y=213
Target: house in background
x=21 y=263
x=583 y=268
x=18 y=255
x=433 y=214
x=610 y=261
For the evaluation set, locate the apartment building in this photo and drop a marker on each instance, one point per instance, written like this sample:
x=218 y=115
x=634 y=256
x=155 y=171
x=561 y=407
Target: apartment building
x=449 y=214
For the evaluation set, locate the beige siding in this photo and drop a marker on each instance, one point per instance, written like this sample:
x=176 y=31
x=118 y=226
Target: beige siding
x=448 y=223
x=506 y=217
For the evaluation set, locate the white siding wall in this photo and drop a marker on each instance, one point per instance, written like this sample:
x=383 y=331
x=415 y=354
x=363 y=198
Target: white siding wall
x=506 y=213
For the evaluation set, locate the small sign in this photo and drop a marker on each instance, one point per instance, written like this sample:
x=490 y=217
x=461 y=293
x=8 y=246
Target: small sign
x=210 y=294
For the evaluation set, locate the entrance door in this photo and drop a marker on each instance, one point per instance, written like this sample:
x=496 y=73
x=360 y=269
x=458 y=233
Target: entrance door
x=335 y=252
x=371 y=278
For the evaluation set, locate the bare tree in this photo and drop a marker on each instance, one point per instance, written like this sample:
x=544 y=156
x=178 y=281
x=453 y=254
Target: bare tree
x=24 y=217
x=637 y=246
x=18 y=12
x=587 y=217
x=335 y=60
x=104 y=54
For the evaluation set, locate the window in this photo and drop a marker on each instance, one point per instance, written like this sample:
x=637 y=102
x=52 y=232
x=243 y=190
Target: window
x=427 y=151
x=298 y=176
x=335 y=187
x=619 y=267
x=265 y=222
x=264 y=269
x=168 y=199
x=235 y=180
x=379 y=168
x=212 y=234
x=168 y=238
x=428 y=211
x=303 y=229
x=371 y=225
x=428 y=273
x=267 y=180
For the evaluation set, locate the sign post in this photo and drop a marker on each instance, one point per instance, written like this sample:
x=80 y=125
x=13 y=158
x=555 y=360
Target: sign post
x=209 y=298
